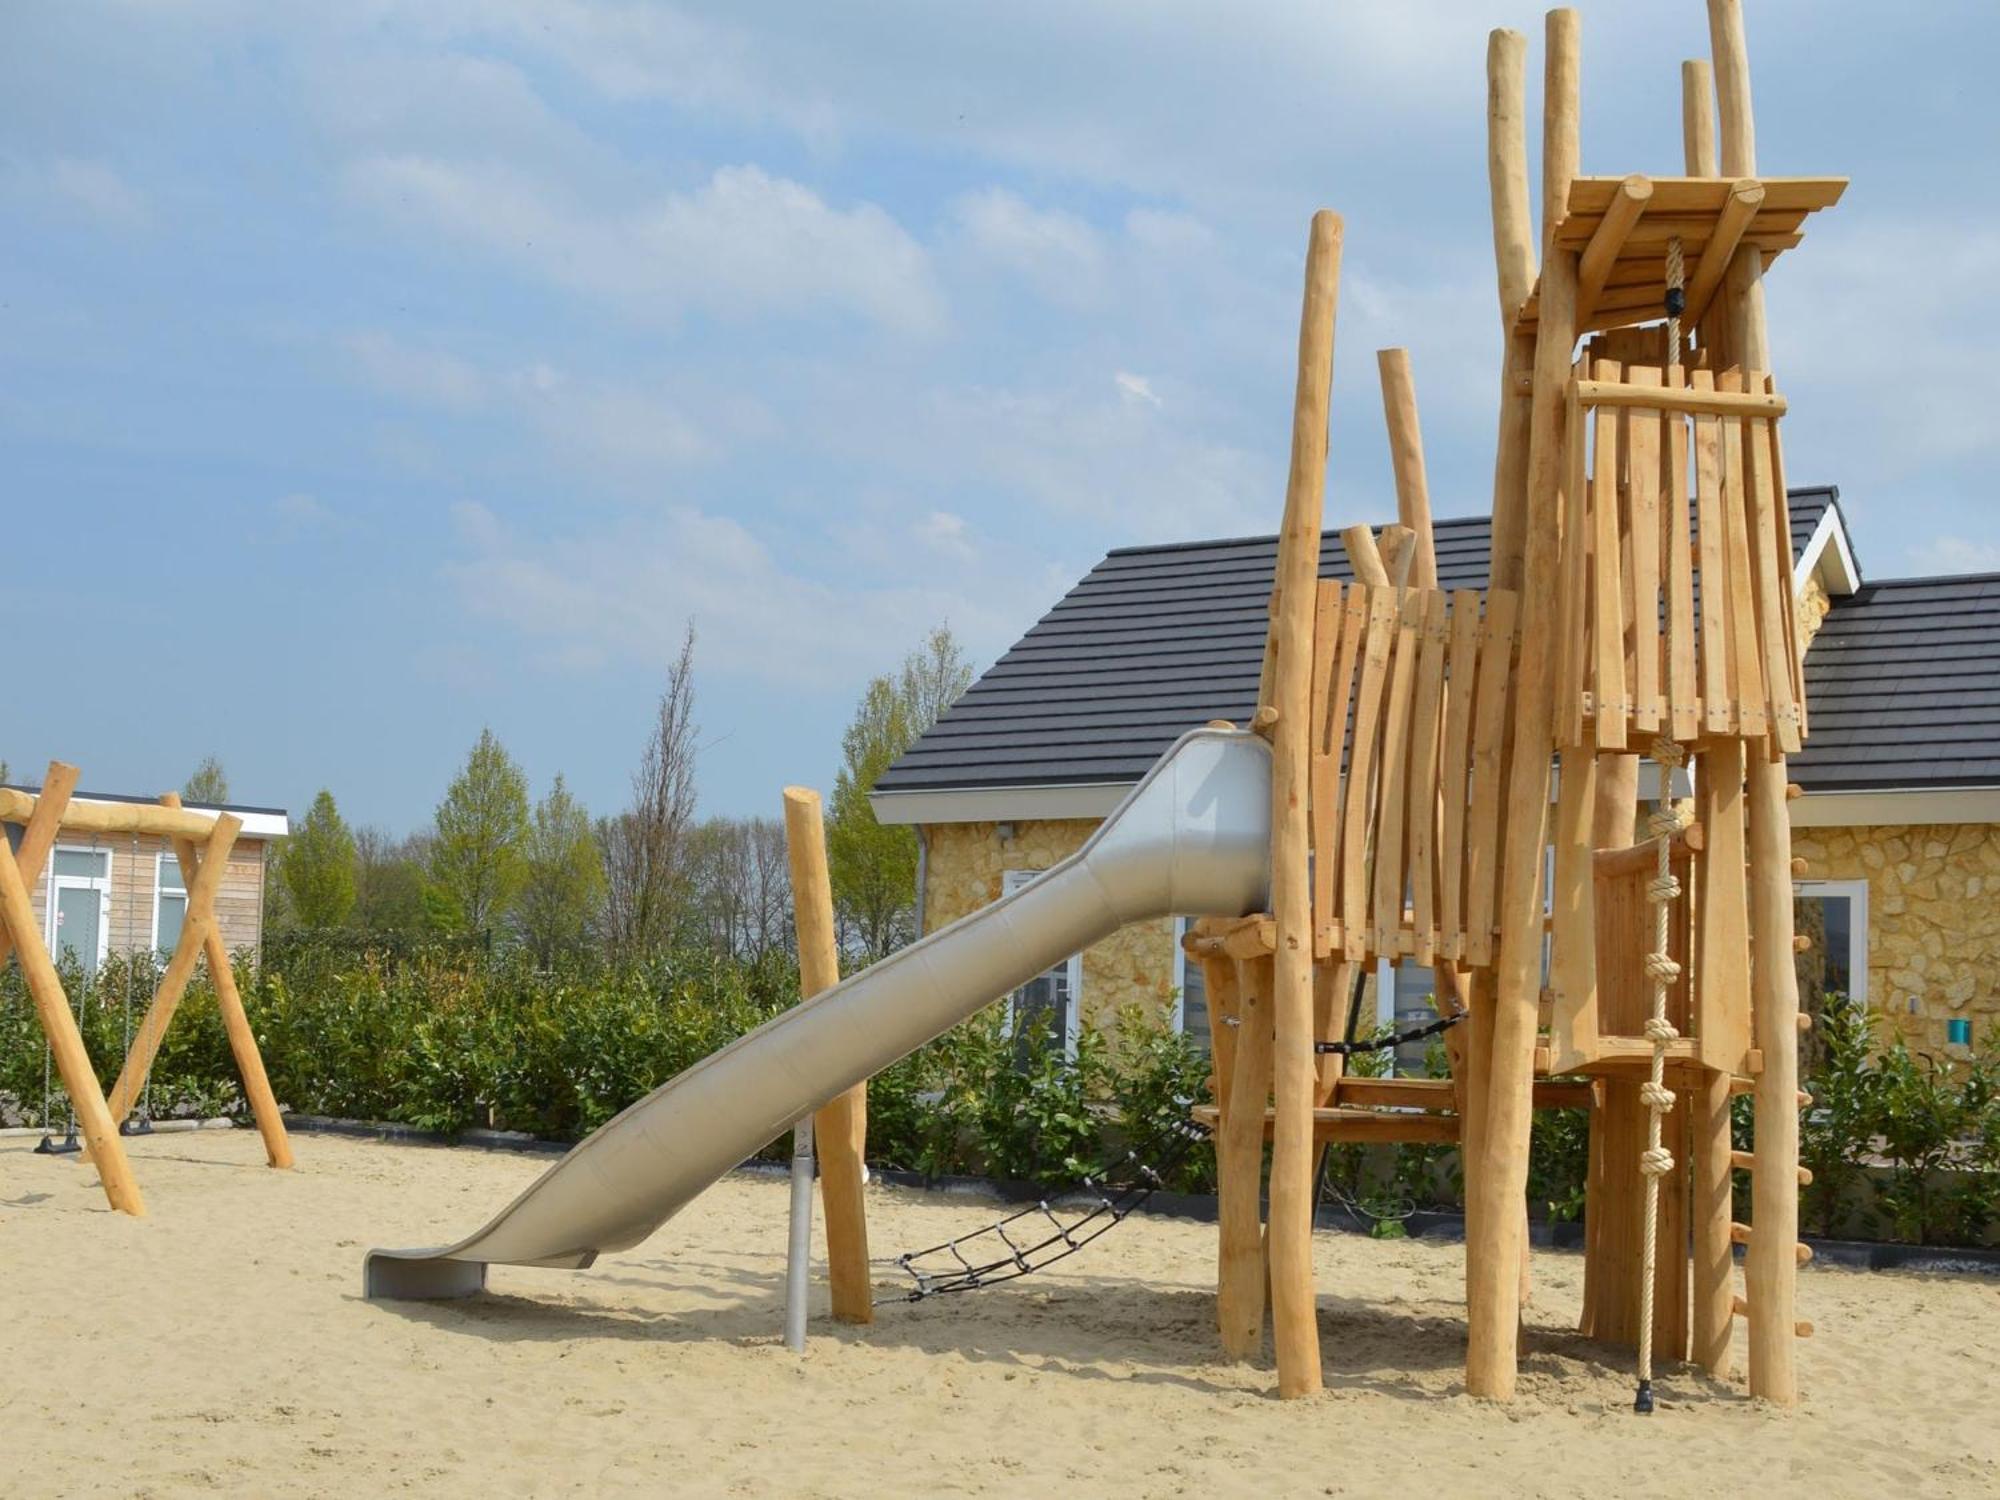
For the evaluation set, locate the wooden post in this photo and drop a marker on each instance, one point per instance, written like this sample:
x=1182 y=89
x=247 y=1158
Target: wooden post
x=1698 y=118
x=235 y=1020
x=1770 y=1267
x=1364 y=557
x=38 y=836
x=1406 y=454
x=1239 y=1174
x=1294 y=1314
x=1514 y=265
x=200 y=917
x=17 y=913
x=840 y=1127
x=1562 y=117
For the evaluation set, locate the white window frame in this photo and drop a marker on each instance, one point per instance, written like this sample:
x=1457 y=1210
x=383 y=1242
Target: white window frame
x=99 y=883
x=1857 y=940
x=1181 y=962
x=160 y=867
x=1010 y=882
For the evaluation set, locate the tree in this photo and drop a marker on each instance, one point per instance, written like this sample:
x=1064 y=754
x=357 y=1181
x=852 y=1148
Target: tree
x=6 y=773
x=388 y=883
x=740 y=886
x=317 y=866
x=873 y=866
x=476 y=853
x=209 y=786
x=644 y=848
x=563 y=886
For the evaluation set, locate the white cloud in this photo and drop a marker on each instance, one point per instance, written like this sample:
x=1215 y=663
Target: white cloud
x=98 y=191
x=425 y=377
x=622 y=593
x=942 y=531
x=1955 y=554
x=1057 y=251
x=1137 y=387
x=745 y=244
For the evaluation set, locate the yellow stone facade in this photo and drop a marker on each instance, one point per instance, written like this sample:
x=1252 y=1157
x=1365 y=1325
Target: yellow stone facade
x=963 y=867
x=1933 y=920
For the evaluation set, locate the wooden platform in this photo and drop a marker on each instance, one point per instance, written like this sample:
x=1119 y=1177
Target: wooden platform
x=1621 y=226
x=1390 y=1110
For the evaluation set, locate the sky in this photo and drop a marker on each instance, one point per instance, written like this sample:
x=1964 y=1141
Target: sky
x=372 y=373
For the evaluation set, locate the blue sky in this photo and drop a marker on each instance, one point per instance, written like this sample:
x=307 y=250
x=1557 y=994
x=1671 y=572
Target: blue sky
x=373 y=372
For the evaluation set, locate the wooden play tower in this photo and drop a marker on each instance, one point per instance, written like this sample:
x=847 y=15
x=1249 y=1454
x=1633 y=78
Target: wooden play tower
x=1458 y=777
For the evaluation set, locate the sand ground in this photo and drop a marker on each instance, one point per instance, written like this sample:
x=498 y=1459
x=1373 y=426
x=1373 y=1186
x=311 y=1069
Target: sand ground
x=221 y=1346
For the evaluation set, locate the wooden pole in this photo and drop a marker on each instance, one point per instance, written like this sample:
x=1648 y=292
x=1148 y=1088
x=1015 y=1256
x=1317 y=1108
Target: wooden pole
x=1618 y=1112
x=200 y=917
x=1399 y=553
x=1562 y=118
x=1364 y=557
x=1514 y=266
x=1406 y=453
x=1770 y=1268
x=1497 y=1231
x=17 y=913
x=841 y=1126
x=236 y=1021
x=39 y=836
x=1710 y=1184
x=111 y=817
x=1698 y=118
x=1239 y=1171
x=1294 y=1314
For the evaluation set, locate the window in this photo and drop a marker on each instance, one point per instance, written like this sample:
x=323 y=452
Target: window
x=1833 y=914
x=1404 y=993
x=1047 y=1004
x=1190 y=993
x=79 y=906
x=169 y=902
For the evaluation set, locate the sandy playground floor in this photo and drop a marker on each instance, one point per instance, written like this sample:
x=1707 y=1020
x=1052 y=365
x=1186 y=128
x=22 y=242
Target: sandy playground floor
x=221 y=1346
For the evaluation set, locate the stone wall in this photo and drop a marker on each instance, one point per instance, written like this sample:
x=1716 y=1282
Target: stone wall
x=1933 y=920
x=963 y=865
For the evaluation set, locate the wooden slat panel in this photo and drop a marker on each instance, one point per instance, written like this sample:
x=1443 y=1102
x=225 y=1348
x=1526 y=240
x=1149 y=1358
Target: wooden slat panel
x=1422 y=815
x=1391 y=844
x=1572 y=662
x=1719 y=717
x=1455 y=760
x=1590 y=196
x=1782 y=522
x=1489 y=739
x=1642 y=477
x=1771 y=580
x=1573 y=1022
x=1746 y=662
x=1328 y=868
x=1361 y=768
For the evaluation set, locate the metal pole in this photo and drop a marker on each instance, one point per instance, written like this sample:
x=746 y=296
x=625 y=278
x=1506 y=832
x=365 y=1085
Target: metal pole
x=798 y=1254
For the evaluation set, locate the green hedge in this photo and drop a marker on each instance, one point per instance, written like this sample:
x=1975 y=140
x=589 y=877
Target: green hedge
x=450 y=1038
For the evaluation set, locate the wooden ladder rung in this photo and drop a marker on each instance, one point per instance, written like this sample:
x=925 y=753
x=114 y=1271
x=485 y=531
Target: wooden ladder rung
x=1749 y=1086
x=1745 y=1161
x=1801 y=1329
x=1739 y=1234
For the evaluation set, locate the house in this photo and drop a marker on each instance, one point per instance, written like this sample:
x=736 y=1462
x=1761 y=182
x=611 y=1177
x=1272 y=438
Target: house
x=106 y=893
x=1899 y=822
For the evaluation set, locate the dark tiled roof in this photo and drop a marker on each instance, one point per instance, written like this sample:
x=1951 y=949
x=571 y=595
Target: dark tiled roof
x=1152 y=642
x=1903 y=688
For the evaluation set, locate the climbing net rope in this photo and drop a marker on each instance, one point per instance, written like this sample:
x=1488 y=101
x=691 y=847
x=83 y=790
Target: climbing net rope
x=1662 y=971
x=1038 y=1236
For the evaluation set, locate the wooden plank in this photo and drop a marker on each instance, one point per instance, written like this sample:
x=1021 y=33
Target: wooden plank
x=1782 y=524
x=1614 y=227
x=1573 y=1023
x=1489 y=746
x=1455 y=769
x=1239 y=1161
x=1607 y=625
x=1382 y=1127
x=1391 y=845
x=1328 y=867
x=1225 y=1019
x=1722 y=943
x=1700 y=193
x=1720 y=717
x=1323 y=785
x=1422 y=815
x=1771 y=581
x=1360 y=796
x=1683 y=694
x=1642 y=473
x=1573 y=675
x=1746 y=664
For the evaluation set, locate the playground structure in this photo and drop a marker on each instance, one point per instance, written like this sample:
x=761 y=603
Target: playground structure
x=201 y=844
x=1452 y=778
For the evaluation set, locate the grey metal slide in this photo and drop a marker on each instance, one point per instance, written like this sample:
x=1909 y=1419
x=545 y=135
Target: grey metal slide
x=1192 y=838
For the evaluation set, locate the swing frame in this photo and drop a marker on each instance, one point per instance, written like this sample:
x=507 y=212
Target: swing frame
x=201 y=843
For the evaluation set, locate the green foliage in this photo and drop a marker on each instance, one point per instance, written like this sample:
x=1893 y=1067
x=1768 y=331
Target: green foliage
x=1156 y=1075
x=874 y=866
x=562 y=886
x=316 y=866
x=1835 y=1135
x=209 y=785
x=388 y=885
x=476 y=858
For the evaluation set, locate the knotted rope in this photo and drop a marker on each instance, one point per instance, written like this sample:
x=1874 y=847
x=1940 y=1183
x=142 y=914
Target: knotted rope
x=1656 y=1161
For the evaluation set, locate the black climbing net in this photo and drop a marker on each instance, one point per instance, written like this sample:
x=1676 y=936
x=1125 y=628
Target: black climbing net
x=1043 y=1233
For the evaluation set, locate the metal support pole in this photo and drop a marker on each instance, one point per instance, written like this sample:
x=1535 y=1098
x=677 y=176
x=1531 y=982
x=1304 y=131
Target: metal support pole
x=798 y=1254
